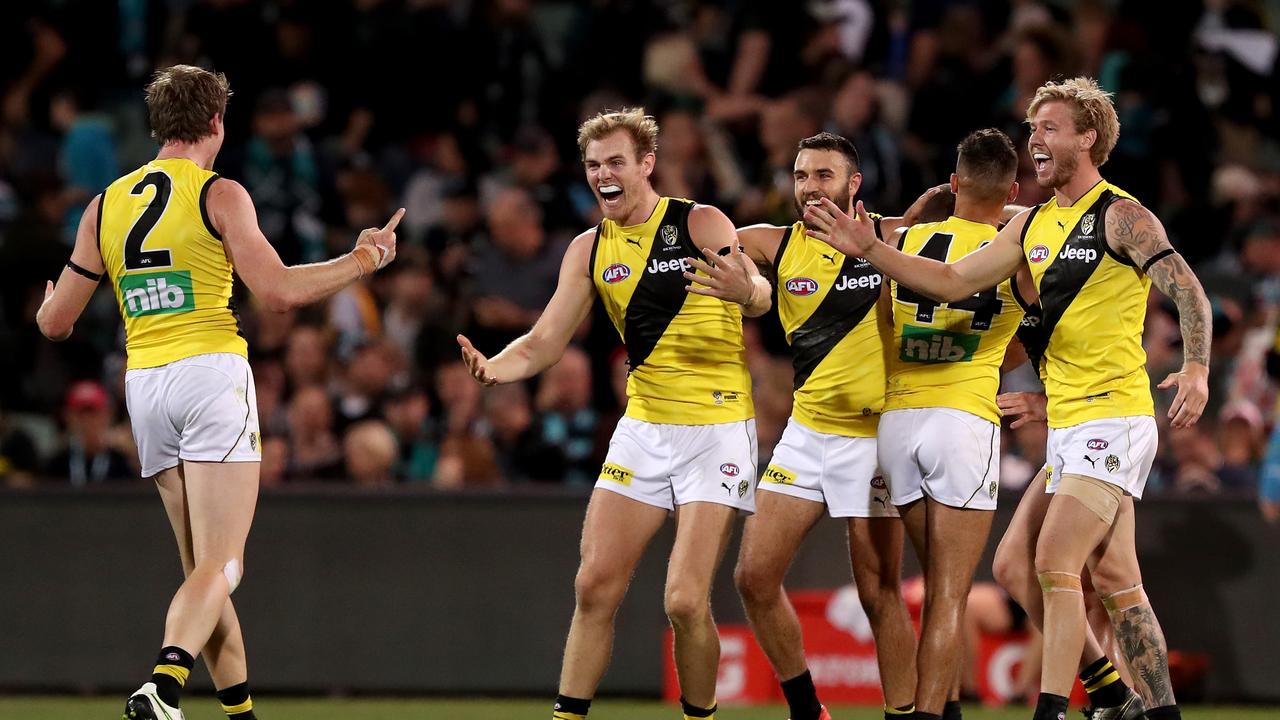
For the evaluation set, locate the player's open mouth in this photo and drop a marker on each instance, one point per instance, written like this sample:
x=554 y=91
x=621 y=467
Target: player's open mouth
x=813 y=201
x=611 y=194
x=1041 y=160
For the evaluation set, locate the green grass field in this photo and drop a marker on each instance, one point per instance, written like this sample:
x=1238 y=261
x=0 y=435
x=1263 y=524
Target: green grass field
x=204 y=708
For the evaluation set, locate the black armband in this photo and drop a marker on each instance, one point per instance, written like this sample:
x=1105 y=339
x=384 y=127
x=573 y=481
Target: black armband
x=96 y=277
x=1157 y=258
x=875 y=223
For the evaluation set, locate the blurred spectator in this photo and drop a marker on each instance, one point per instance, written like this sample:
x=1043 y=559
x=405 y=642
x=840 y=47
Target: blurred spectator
x=508 y=422
x=566 y=421
x=371 y=454
x=515 y=272
x=854 y=115
x=306 y=359
x=417 y=319
x=87 y=159
x=19 y=462
x=275 y=461
x=408 y=412
x=368 y=376
x=314 y=452
x=88 y=457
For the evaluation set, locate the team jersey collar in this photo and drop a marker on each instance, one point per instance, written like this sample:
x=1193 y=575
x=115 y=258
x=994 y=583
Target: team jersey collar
x=971 y=223
x=649 y=225
x=1085 y=201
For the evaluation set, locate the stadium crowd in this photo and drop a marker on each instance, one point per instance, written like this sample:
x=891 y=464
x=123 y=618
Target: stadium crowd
x=463 y=112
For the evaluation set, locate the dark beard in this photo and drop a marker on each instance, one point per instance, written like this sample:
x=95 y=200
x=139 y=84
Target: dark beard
x=841 y=201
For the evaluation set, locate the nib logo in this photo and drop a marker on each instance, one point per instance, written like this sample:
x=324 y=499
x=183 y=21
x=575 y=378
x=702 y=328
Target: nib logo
x=923 y=345
x=157 y=293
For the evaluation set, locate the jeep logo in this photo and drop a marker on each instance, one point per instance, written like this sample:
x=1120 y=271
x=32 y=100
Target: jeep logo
x=1086 y=254
x=658 y=266
x=157 y=293
x=862 y=282
x=1038 y=254
x=802 y=286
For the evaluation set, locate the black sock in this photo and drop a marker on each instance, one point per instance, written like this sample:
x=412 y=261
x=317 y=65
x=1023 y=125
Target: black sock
x=951 y=711
x=902 y=712
x=1166 y=712
x=170 y=674
x=1050 y=707
x=920 y=715
x=802 y=697
x=236 y=702
x=694 y=711
x=570 y=706
x=1103 y=683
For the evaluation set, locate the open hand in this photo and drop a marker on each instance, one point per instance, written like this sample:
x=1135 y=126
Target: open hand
x=851 y=236
x=727 y=276
x=477 y=364
x=1023 y=407
x=1192 y=382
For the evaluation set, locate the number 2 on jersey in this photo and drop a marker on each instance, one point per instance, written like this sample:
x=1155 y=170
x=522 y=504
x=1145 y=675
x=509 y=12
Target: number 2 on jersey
x=135 y=258
x=984 y=305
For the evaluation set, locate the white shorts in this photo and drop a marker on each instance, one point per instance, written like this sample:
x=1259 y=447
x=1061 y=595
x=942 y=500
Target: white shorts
x=670 y=465
x=1115 y=450
x=836 y=470
x=950 y=455
x=202 y=408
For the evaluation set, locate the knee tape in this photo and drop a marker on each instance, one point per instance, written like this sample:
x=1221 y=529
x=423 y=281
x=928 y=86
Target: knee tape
x=1101 y=497
x=1125 y=599
x=1060 y=582
x=231 y=571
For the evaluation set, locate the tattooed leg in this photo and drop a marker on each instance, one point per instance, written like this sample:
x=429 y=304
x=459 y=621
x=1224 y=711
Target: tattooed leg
x=1118 y=580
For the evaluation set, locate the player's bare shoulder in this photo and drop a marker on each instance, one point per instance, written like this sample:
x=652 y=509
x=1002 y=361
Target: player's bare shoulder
x=762 y=241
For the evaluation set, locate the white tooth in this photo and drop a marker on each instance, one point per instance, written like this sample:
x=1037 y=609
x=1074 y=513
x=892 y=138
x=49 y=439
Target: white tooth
x=610 y=188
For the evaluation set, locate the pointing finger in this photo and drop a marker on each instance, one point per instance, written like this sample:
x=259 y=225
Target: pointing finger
x=394 y=221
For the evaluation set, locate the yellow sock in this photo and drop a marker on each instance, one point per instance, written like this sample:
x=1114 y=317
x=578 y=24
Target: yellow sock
x=562 y=715
x=904 y=710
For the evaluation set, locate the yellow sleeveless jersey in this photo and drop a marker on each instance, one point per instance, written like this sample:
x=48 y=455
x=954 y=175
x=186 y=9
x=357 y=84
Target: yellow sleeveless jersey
x=687 y=362
x=170 y=273
x=1094 y=303
x=827 y=304
x=949 y=354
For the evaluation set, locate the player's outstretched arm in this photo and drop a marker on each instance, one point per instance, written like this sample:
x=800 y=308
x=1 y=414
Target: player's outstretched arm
x=945 y=282
x=731 y=274
x=280 y=286
x=64 y=301
x=1135 y=232
x=541 y=347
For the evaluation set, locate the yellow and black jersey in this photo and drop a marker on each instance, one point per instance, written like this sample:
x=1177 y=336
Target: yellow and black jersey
x=827 y=304
x=688 y=364
x=170 y=273
x=949 y=354
x=1094 y=303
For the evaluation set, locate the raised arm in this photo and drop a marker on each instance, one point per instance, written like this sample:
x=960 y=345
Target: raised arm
x=541 y=347
x=944 y=282
x=64 y=301
x=730 y=274
x=281 y=286
x=1136 y=233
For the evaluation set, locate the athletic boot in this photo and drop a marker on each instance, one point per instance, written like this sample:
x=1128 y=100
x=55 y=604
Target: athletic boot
x=1131 y=709
x=145 y=704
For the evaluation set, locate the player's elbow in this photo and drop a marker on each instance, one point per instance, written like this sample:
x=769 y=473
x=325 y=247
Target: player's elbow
x=279 y=296
x=54 y=328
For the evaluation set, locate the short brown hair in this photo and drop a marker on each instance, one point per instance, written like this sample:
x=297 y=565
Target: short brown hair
x=182 y=99
x=1091 y=108
x=642 y=128
x=831 y=141
x=988 y=160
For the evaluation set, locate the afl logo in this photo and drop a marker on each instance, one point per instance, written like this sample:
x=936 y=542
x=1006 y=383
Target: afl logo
x=802 y=286
x=729 y=469
x=616 y=273
x=1096 y=444
x=1038 y=254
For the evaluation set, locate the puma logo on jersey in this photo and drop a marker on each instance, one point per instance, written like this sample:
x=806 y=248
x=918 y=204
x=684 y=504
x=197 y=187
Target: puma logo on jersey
x=1060 y=225
x=157 y=293
x=659 y=266
x=831 y=258
x=925 y=345
x=862 y=282
x=1086 y=254
x=633 y=241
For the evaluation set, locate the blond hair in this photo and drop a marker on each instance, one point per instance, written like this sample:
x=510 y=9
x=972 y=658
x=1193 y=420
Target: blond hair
x=642 y=128
x=1091 y=109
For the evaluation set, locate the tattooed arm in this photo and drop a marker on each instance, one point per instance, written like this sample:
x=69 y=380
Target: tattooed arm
x=1135 y=232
